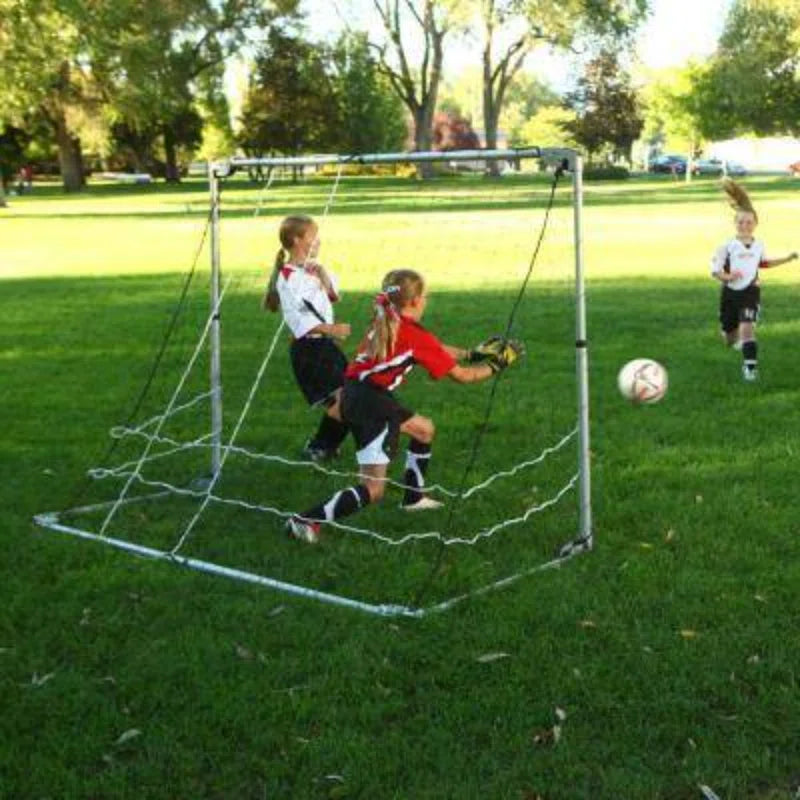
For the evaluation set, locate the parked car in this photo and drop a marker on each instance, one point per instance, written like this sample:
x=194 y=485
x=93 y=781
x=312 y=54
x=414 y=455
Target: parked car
x=734 y=168
x=668 y=163
x=707 y=166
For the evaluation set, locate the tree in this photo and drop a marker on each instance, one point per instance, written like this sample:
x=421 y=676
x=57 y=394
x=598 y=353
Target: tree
x=171 y=54
x=510 y=29
x=65 y=60
x=290 y=102
x=417 y=87
x=13 y=142
x=548 y=127
x=672 y=110
x=43 y=61
x=753 y=82
x=525 y=98
x=606 y=106
x=453 y=132
x=369 y=114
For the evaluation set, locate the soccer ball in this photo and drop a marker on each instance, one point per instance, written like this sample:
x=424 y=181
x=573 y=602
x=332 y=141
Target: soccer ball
x=642 y=381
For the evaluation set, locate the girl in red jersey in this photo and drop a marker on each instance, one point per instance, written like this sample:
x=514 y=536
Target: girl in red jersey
x=305 y=292
x=735 y=265
x=393 y=344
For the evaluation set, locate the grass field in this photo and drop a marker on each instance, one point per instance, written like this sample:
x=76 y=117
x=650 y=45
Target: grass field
x=663 y=661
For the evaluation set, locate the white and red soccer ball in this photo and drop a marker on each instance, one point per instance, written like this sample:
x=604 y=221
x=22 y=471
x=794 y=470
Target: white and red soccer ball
x=643 y=380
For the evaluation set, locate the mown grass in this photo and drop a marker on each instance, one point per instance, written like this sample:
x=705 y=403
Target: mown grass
x=670 y=649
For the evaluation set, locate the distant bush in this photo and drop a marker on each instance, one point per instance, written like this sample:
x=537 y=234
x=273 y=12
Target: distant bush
x=606 y=173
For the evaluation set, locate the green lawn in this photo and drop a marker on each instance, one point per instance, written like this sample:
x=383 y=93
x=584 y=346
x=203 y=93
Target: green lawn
x=665 y=659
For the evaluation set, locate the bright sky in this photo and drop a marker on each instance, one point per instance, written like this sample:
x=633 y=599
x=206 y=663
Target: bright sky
x=681 y=29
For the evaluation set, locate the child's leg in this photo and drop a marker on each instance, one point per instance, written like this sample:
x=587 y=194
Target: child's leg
x=731 y=338
x=749 y=349
x=332 y=431
x=421 y=430
x=348 y=501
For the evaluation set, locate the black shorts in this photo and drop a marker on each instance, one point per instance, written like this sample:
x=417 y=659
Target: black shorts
x=374 y=417
x=736 y=306
x=318 y=366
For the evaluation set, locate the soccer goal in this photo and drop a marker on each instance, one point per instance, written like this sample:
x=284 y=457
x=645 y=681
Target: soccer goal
x=209 y=485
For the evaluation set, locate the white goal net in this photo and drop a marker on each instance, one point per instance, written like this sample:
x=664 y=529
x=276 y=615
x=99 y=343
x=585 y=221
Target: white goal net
x=209 y=478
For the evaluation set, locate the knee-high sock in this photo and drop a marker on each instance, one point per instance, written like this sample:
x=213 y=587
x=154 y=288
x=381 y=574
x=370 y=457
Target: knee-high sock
x=417 y=458
x=330 y=433
x=750 y=353
x=341 y=504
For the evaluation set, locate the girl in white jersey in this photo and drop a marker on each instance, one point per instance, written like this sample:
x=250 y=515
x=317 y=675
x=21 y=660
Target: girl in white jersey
x=735 y=265
x=305 y=292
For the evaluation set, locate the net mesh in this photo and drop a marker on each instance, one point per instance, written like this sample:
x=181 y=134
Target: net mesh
x=504 y=511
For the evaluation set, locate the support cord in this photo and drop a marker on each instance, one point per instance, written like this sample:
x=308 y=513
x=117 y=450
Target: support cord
x=490 y=403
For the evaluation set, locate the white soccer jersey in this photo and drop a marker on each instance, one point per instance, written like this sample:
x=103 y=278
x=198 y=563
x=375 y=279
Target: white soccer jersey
x=746 y=258
x=304 y=301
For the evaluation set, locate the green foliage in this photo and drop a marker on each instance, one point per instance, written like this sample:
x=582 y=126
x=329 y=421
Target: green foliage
x=549 y=127
x=369 y=116
x=674 y=107
x=526 y=98
x=290 y=101
x=13 y=144
x=753 y=83
x=609 y=173
x=607 y=107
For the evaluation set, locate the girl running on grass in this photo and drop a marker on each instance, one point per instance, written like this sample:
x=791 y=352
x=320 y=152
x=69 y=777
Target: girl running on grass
x=305 y=292
x=735 y=265
x=395 y=341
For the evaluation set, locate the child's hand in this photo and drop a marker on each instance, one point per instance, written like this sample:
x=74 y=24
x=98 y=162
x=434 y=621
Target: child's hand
x=340 y=330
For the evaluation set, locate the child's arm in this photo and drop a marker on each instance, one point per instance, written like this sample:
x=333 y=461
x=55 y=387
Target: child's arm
x=474 y=374
x=328 y=284
x=718 y=262
x=727 y=277
x=776 y=262
x=458 y=353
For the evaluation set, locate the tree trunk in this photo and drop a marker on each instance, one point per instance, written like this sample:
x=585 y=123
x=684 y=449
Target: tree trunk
x=171 y=168
x=491 y=110
x=423 y=139
x=69 y=156
x=3 y=203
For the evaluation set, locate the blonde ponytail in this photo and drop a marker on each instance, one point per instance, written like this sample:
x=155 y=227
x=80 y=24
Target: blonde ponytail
x=738 y=197
x=271 y=300
x=400 y=288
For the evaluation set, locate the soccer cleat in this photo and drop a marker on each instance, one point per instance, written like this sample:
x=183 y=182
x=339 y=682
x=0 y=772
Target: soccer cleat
x=750 y=374
x=425 y=503
x=302 y=530
x=317 y=454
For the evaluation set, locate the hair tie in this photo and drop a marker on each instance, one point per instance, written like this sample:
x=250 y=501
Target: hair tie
x=384 y=305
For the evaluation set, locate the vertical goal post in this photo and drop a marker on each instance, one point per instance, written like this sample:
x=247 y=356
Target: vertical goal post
x=561 y=160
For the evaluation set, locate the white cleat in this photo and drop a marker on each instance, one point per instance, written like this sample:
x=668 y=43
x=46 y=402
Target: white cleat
x=425 y=503
x=298 y=528
x=750 y=374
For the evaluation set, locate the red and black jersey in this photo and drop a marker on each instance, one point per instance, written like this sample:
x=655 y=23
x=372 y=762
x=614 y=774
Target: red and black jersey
x=414 y=345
